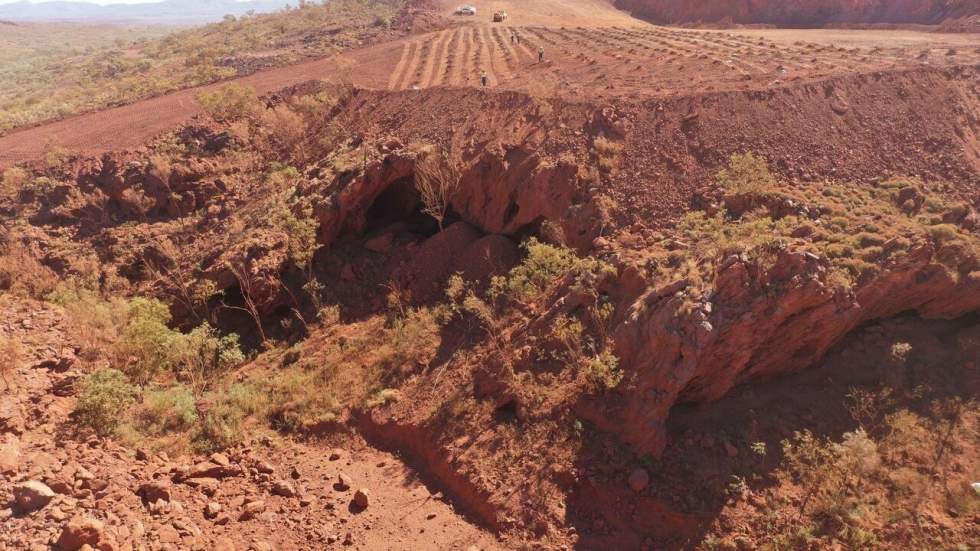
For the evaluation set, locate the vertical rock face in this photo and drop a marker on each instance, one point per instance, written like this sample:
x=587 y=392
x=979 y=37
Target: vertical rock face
x=805 y=13
x=752 y=327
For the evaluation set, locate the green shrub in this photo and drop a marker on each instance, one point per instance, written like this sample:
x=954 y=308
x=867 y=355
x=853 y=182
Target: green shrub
x=746 y=173
x=942 y=233
x=204 y=354
x=105 y=397
x=300 y=402
x=411 y=338
x=231 y=103
x=168 y=410
x=220 y=426
x=150 y=348
x=604 y=371
x=544 y=263
x=147 y=345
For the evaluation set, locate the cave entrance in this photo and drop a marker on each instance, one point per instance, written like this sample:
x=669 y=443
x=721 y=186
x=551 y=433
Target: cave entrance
x=400 y=203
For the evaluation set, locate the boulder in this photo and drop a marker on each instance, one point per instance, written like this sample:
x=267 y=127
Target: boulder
x=208 y=469
x=639 y=479
x=154 y=491
x=78 y=532
x=252 y=509
x=212 y=510
x=361 y=498
x=32 y=495
x=343 y=483
x=283 y=488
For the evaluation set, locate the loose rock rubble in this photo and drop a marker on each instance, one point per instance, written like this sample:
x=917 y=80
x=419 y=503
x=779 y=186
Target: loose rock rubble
x=66 y=491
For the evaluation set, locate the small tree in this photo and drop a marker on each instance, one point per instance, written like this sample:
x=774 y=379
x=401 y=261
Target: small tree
x=245 y=285
x=437 y=180
x=192 y=294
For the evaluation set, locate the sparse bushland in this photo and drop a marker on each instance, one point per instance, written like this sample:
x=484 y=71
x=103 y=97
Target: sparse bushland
x=161 y=371
x=140 y=67
x=909 y=459
x=578 y=341
x=755 y=216
x=21 y=272
x=231 y=103
x=135 y=335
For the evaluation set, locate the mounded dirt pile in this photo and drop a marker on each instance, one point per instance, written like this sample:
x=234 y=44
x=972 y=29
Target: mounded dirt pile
x=802 y=13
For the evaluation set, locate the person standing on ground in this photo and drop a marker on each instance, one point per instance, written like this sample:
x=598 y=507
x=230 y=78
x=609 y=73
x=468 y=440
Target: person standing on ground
x=541 y=55
x=483 y=78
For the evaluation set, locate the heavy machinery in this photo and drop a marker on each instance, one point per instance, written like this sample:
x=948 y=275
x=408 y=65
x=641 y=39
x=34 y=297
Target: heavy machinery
x=499 y=16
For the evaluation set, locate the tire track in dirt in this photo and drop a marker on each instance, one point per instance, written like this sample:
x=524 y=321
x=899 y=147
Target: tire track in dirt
x=465 y=55
x=424 y=65
x=435 y=63
x=511 y=58
x=452 y=59
x=486 y=56
x=499 y=57
x=411 y=65
x=524 y=44
x=477 y=56
x=397 y=73
x=445 y=58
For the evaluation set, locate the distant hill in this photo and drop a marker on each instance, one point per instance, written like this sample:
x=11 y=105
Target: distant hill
x=805 y=13
x=166 y=11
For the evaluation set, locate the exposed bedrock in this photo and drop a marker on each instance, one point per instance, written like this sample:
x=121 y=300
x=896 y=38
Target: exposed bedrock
x=755 y=323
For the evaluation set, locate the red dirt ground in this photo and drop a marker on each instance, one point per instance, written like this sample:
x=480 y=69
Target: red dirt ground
x=403 y=512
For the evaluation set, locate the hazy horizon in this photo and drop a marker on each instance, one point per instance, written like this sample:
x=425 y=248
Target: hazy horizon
x=99 y=2
x=141 y=11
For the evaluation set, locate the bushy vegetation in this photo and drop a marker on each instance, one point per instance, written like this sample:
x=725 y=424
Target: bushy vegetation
x=231 y=103
x=46 y=77
x=158 y=373
x=859 y=229
x=746 y=173
x=577 y=341
x=880 y=484
x=104 y=398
